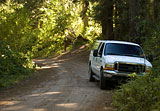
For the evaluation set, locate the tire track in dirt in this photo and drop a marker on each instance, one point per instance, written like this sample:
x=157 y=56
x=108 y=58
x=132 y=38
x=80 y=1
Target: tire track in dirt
x=61 y=85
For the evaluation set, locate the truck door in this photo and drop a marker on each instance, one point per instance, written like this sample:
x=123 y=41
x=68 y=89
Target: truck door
x=99 y=59
x=94 y=59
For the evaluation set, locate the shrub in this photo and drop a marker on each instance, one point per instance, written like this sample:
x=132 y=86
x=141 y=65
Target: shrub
x=141 y=94
x=13 y=66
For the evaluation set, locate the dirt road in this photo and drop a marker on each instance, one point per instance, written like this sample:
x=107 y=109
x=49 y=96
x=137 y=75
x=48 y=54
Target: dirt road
x=61 y=84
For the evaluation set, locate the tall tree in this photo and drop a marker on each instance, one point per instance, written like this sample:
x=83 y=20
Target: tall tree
x=133 y=19
x=121 y=19
x=156 y=9
x=107 y=21
x=84 y=16
x=103 y=12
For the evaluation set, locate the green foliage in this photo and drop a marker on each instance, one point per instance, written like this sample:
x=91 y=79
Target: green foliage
x=99 y=10
x=54 y=23
x=12 y=65
x=93 y=31
x=152 y=45
x=141 y=94
x=15 y=27
x=39 y=28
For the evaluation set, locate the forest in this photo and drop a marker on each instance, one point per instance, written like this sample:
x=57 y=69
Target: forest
x=42 y=28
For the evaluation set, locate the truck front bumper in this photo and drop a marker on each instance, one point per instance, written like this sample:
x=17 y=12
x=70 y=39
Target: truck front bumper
x=114 y=74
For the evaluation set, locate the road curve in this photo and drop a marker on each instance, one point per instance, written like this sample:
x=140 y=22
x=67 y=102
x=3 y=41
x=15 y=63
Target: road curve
x=60 y=84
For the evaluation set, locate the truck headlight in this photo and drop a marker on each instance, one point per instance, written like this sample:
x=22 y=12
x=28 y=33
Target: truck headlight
x=109 y=67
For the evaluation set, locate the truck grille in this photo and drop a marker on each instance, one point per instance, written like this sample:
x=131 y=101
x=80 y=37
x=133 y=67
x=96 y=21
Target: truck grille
x=129 y=68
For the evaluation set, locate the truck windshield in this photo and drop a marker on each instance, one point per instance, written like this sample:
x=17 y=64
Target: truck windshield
x=123 y=50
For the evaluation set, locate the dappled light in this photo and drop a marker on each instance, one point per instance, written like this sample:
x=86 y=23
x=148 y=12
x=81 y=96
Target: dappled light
x=67 y=105
x=17 y=105
x=83 y=46
x=8 y=103
x=39 y=109
x=47 y=67
x=44 y=67
x=44 y=49
x=108 y=108
x=65 y=88
x=46 y=93
x=14 y=108
x=40 y=65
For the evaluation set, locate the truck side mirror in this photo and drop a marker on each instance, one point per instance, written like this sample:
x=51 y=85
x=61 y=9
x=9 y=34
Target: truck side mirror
x=100 y=53
x=150 y=58
x=95 y=53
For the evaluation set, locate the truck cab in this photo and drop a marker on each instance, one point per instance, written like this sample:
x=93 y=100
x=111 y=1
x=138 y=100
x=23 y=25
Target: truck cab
x=111 y=60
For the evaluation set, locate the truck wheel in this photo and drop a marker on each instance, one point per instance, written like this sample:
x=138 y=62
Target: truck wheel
x=91 y=78
x=102 y=82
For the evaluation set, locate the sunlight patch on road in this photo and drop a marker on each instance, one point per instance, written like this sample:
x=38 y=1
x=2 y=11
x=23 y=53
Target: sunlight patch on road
x=8 y=103
x=46 y=93
x=48 y=67
x=39 y=110
x=14 y=108
x=44 y=67
x=108 y=108
x=50 y=93
x=68 y=105
x=55 y=65
x=62 y=60
x=83 y=46
x=40 y=60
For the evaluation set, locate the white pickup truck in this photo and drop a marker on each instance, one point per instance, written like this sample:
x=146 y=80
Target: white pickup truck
x=111 y=60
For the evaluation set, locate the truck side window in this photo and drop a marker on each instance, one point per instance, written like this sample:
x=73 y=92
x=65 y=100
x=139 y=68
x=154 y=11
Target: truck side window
x=101 y=49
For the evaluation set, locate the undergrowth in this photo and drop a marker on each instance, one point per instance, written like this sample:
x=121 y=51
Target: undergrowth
x=13 y=66
x=140 y=94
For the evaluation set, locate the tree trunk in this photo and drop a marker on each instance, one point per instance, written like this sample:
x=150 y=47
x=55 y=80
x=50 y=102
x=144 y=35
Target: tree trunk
x=133 y=19
x=84 y=16
x=107 y=23
x=156 y=8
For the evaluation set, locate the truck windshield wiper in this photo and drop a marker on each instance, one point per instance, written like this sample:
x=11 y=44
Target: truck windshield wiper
x=132 y=55
x=112 y=54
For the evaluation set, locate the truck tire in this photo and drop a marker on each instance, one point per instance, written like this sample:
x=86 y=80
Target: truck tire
x=91 y=78
x=102 y=82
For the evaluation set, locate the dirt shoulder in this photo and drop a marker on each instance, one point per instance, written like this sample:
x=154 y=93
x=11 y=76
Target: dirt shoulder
x=60 y=84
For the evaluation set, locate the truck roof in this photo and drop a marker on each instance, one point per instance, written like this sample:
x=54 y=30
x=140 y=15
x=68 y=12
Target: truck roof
x=118 y=42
